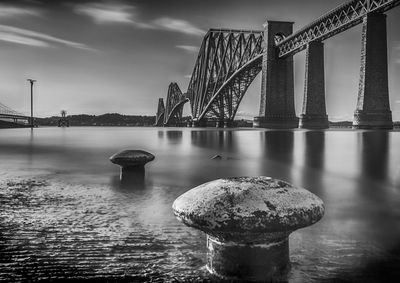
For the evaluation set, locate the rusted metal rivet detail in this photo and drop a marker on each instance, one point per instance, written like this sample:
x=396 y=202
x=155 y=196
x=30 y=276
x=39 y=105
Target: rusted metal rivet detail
x=247 y=221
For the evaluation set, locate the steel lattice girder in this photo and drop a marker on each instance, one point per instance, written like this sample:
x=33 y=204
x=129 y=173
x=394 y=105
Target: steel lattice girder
x=160 y=112
x=6 y=111
x=342 y=18
x=227 y=63
x=174 y=105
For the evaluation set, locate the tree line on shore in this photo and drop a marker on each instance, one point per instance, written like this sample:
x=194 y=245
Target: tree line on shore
x=115 y=119
x=109 y=119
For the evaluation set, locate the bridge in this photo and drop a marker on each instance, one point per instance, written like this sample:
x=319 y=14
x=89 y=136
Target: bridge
x=229 y=60
x=10 y=118
x=171 y=114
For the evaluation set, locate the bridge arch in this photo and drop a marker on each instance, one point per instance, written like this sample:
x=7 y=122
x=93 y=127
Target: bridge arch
x=233 y=89
x=176 y=112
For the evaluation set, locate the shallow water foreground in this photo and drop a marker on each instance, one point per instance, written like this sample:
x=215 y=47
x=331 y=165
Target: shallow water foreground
x=65 y=214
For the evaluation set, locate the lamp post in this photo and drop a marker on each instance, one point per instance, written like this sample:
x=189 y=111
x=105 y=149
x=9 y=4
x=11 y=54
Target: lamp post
x=31 y=81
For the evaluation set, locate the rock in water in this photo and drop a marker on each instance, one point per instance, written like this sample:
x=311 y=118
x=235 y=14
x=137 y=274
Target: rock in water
x=216 y=157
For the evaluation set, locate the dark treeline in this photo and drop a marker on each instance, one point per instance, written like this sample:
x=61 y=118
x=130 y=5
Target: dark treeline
x=115 y=119
x=109 y=119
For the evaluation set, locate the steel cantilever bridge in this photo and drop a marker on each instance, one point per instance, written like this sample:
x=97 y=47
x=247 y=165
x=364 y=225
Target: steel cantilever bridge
x=10 y=118
x=229 y=60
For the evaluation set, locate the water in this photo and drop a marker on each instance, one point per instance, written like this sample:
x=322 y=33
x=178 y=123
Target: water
x=65 y=214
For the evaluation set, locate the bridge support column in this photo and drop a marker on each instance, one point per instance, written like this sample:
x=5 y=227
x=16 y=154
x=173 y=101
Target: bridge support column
x=199 y=123
x=373 y=109
x=314 y=110
x=277 y=87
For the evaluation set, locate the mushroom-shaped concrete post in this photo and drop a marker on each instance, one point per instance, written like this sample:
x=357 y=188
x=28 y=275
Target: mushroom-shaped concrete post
x=247 y=221
x=132 y=164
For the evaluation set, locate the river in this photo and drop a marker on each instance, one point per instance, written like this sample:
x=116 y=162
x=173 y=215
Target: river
x=65 y=214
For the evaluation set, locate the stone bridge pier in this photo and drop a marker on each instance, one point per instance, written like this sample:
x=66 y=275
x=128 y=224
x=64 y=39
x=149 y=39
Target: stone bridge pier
x=373 y=109
x=277 y=82
x=313 y=114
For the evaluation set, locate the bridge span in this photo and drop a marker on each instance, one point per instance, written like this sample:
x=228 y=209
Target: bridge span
x=229 y=60
x=10 y=118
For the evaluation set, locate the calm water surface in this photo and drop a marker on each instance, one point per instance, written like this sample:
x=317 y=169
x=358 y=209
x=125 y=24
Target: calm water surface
x=65 y=214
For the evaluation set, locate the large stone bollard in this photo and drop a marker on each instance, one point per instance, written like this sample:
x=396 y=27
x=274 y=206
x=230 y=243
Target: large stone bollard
x=247 y=221
x=132 y=165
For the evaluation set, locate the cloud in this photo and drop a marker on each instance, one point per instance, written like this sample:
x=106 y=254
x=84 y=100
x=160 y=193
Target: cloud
x=103 y=13
x=120 y=13
x=33 y=38
x=7 y=11
x=397 y=101
x=177 y=26
x=188 y=48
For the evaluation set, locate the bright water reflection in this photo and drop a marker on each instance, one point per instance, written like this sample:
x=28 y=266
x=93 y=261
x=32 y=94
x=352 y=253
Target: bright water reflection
x=83 y=222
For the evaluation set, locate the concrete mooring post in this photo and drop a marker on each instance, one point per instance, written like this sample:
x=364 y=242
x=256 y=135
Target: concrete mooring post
x=248 y=221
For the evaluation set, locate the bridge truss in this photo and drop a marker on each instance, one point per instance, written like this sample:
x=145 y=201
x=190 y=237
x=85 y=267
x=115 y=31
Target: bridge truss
x=160 y=113
x=10 y=118
x=339 y=19
x=227 y=63
x=174 y=105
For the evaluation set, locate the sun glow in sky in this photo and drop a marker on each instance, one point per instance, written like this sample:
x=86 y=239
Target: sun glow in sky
x=98 y=57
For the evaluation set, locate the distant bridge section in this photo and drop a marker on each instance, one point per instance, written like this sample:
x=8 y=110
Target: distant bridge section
x=174 y=105
x=336 y=21
x=10 y=118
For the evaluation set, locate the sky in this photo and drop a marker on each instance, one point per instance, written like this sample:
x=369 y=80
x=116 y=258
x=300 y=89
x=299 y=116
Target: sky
x=98 y=57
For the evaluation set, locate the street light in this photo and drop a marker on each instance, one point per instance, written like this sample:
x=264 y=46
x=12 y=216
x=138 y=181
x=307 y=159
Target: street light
x=31 y=81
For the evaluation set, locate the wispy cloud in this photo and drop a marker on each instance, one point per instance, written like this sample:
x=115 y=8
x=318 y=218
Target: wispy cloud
x=177 y=25
x=122 y=13
x=109 y=13
x=8 y=11
x=188 y=48
x=33 y=38
x=103 y=13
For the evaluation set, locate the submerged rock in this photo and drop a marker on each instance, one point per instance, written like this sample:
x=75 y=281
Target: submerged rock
x=216 y=157
x=249 y=219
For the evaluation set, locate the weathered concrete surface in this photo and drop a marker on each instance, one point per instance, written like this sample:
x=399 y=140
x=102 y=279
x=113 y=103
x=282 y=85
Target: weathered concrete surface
x=131 y=158
x=248 y=205
x=277 y=85
x=313 y=114
x=247 y=221
x=373 y=109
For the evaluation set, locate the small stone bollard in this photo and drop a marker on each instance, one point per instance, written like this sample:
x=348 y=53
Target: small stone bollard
x=132 y=164
x=248 y=221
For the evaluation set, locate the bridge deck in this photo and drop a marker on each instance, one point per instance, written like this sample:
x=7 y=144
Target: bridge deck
x=335 y=21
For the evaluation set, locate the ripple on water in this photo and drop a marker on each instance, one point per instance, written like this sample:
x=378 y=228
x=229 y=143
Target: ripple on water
x=52 y=230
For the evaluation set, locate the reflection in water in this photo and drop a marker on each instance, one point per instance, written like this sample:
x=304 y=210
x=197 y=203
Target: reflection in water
x=79 y=222
x=215 y=139
x=314 y=149
x=174 y=136
x=278 y=145
x=374 y=147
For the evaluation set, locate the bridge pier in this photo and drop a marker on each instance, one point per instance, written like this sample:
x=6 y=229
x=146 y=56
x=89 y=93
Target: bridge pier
x=277 y=86
x=199 y=123
x=373 y=109
x=314 y=110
